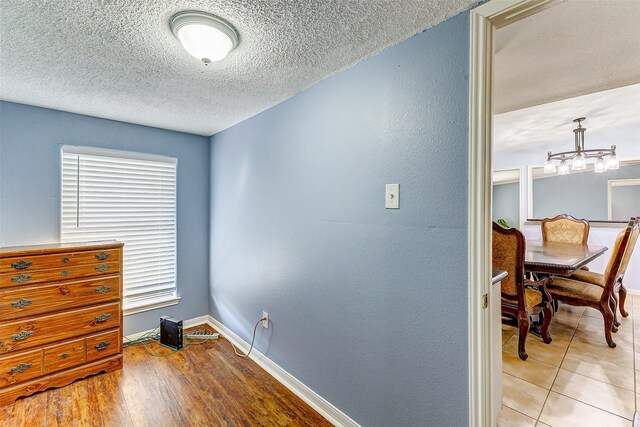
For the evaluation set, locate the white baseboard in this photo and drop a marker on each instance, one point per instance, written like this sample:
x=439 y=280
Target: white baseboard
x=635 y=292
x=200 y=320
x=334 y=415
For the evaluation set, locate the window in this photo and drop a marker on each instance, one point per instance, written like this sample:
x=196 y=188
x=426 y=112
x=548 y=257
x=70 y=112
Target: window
x=129 y=197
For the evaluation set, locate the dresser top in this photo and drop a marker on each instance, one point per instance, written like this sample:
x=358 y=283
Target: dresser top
x=12 y=251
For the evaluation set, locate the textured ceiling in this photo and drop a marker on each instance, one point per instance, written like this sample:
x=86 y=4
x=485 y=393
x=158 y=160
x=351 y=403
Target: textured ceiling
x=119 y=60
x=577 y=58
x=573 y=48
x=541 y=125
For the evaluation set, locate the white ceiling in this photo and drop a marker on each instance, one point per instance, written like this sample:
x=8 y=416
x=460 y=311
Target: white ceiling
x=119 y=59
x=573 y=48
x=541 y=125
x=579 y=58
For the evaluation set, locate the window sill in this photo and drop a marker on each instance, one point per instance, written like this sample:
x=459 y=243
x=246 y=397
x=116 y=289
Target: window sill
x=152 y=304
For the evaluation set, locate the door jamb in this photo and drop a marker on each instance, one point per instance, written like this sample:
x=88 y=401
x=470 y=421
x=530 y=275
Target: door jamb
x=484 y=20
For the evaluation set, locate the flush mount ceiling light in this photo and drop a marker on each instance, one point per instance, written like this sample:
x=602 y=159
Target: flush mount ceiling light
x=605 y=157
x=204 y=36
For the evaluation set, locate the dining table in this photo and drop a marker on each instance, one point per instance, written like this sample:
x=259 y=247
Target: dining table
x=559 y=258
x=556 y=258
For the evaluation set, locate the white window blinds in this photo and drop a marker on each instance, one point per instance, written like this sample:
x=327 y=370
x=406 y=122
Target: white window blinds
x=129 y=197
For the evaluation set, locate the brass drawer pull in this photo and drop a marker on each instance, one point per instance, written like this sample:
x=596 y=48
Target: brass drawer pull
x=64 y=260
x=103 y=289
x=102 y=345
x=21 y=303
x=103 y=318
x=20 y=265
x=21 y=336
x=21 y=278
x=102 y=268
x=102 y=256
x=21 y=368
x=65 y=273
x=64 y=355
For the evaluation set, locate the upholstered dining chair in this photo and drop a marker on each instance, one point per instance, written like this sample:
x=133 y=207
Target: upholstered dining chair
x=600 y=296
x=565 y=229
x=620 y=292
x=521 y=298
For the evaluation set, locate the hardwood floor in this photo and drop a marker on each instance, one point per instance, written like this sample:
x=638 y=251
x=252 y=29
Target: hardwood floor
x=203 y=385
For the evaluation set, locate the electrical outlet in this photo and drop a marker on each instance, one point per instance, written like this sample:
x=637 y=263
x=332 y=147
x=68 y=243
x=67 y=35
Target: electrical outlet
x=265 y=320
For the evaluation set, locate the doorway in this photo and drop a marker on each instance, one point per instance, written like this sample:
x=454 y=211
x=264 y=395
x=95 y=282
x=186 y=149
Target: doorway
x=485 y=20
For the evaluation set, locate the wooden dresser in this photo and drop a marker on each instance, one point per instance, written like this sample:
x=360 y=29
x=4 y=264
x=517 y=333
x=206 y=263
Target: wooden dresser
x=60 y=315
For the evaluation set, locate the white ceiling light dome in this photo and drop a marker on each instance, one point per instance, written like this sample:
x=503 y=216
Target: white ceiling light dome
x=203 y=35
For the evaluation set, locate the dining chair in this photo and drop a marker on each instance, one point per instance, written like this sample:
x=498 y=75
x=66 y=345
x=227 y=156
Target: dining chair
x=600 y=296
x=521 y=298
x=620 y=292
x=565 y=229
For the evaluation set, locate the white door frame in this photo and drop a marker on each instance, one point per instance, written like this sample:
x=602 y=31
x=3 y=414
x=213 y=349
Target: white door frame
x=485 y=19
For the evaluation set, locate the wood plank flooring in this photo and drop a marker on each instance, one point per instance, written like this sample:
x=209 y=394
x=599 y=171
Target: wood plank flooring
x=203 y=385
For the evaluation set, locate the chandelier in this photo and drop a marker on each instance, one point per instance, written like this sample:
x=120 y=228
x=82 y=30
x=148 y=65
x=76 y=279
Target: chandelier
x=605 y=157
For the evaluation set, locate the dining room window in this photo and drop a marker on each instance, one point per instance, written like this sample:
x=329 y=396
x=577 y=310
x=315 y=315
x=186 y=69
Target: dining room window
x=130 y=197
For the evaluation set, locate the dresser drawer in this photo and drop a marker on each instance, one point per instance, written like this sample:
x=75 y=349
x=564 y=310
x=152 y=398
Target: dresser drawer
x=20 y=367
x=103 y=345
x=57 y=274
x=44 y=262
x=46 y=298
x=62 y=356
x=34 y=331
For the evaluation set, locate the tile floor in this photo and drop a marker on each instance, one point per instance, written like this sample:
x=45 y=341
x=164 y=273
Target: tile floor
x=577 y=380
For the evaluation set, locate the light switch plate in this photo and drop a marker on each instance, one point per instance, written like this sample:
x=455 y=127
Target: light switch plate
x=392 y=196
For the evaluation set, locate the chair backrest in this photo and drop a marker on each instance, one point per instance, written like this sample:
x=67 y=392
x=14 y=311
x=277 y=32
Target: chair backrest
x=565 y=229
x=633 y=238
x=508 y=249
x=618 y=250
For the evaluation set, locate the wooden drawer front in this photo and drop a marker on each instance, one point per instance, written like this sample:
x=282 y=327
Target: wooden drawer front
x=62 y=356
x=31 y=332
x=69 y=259
x=103 y=345
x=57 y=274
x=31 y=300
x=21 y=367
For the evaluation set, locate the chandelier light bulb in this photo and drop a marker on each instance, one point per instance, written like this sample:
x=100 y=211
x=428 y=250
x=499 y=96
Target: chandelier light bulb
x=549 y=167
x=579 y=162
x=613 y=163
x=563 y=169
x=600 y=166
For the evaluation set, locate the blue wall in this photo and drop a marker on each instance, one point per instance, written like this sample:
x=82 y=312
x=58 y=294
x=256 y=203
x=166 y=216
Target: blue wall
x=506 y=203
x=583 y=195
x=368 y=306
x=625 y=202
x=30 y=140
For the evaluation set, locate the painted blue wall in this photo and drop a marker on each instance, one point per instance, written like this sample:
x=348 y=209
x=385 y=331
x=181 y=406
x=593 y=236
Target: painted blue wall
x=625 y=202
x=30 y=140
x=584 y=195
x=506 y=203
x=368 y=306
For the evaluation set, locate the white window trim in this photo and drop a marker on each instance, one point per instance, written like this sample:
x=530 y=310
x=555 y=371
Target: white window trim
x=136 y=306
x=150 y=304
x=618 y=183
